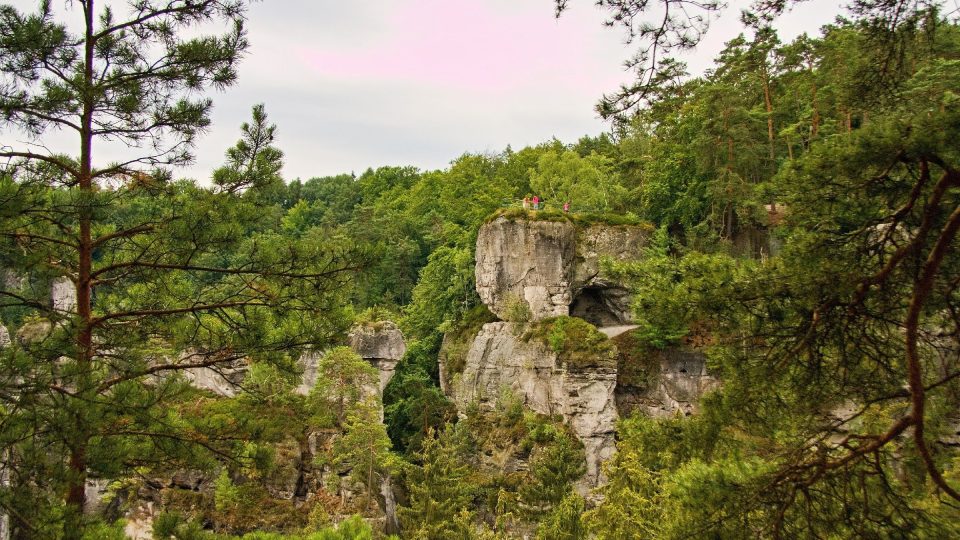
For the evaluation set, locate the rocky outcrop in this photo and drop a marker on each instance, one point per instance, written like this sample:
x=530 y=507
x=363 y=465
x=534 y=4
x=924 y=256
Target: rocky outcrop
x=527 y=263
x=380 y=343
x=223 y=380
x=63 y=295
x=552 y=268
x=661 y=383
x=529 y=270
x=502 y=360
x=4 y=336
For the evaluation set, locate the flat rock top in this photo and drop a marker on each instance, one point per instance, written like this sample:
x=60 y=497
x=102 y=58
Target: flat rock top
x=614 y=331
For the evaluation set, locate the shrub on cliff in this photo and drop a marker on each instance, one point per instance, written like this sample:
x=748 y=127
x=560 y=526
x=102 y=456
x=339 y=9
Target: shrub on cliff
x=577 y=343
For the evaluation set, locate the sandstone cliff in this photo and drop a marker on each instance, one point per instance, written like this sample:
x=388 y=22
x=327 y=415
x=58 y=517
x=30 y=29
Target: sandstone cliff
x=503 y=359
x=544 y=277
x=552 y=268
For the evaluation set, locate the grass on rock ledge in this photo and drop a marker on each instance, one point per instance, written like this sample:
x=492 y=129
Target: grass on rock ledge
x=582 y=219
x=577 y=343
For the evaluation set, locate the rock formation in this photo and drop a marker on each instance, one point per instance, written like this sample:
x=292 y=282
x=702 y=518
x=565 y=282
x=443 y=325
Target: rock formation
x=553 y=268
x=543 y=269
x=664 y=383
x=528 y=271
x=501 y=359
x=382 y=345
x=221 y=380
x=63 y=295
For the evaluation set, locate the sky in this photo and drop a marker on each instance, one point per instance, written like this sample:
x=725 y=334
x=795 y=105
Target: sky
x=359 y=84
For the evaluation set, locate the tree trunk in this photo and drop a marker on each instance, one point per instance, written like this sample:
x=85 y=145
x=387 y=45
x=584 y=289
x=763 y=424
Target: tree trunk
x=768 y=101
x=814 y=102
x=76 y=495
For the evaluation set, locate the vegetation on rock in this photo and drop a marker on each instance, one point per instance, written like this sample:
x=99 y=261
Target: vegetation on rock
x=577 y=343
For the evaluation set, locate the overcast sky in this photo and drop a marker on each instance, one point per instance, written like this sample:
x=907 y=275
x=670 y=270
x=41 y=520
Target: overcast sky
x=367 y=83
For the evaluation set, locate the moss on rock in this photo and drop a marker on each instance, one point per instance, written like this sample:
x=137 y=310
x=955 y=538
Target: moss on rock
x=577 y=343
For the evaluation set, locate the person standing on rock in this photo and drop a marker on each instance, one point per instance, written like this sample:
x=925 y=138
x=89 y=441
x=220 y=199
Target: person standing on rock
x=526 y=202
x=536 y=202
x=566 y=207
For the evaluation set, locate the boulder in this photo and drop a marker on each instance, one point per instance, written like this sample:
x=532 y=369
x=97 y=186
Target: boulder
x=4 y=337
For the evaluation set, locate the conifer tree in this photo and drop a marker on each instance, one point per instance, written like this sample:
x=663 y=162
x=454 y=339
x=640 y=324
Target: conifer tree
x=167 y=276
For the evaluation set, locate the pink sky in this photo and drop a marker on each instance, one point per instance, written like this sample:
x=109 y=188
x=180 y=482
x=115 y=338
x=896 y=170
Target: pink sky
x=367 y=83
x=462 y=44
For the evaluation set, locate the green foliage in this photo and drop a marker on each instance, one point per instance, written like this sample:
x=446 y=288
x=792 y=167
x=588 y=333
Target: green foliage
x=439 y=490
x=459 y=338
x=587 y=182
x=253 y=164
x=445 y=291
x=225 y=493
x=374 y=316
x=169 y=525
x=342 y=377
x=671 y=291
x=365 y=448
x=565 y=521
x=516 y=310
x=105 y=531
x=576 y=342
x=577 y=218
x=557 y=461
x=413 y=402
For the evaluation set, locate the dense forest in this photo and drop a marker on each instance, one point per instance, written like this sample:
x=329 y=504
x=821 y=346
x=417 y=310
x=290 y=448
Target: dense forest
x=802 y=203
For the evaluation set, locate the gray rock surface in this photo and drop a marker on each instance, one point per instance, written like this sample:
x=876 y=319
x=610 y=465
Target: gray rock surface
x=526 y=261
x=675 y=385
x=309 y=361
x=4 y=336
x=554 y=268
x=223 y=380
x=63 y=295
x=379 y=343
x=382 y=345
x=499 y=360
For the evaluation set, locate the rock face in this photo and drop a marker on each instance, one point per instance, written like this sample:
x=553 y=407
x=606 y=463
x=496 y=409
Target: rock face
x=223 y=380
x=63 y=295
x=4 y=336
x=382 y=345
x=553 y=268
x=672 y=383
x=527 y=271
x=500 y=360
x=533 y=270
x=526 y=262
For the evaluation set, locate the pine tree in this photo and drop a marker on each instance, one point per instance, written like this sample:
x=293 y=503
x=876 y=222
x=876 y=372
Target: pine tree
x=167 y=275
